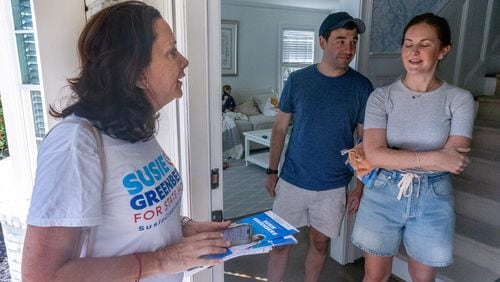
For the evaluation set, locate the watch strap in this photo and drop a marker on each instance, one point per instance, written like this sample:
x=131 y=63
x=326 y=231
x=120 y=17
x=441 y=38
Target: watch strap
x=184 y=221
x=271 y=171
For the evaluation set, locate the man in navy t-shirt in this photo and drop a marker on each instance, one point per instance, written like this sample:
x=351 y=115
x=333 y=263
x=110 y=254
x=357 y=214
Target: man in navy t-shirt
x=326 y=104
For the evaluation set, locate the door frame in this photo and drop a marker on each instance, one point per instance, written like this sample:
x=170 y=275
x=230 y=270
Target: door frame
x=198 y=23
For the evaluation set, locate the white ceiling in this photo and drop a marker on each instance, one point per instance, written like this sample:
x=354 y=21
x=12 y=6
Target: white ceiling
x=313 y=4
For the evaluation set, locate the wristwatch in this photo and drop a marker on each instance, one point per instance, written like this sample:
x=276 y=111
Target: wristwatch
x=184 y=221
x=271 y=171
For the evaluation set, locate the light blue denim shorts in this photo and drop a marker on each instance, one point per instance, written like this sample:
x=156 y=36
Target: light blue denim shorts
x=424 y=218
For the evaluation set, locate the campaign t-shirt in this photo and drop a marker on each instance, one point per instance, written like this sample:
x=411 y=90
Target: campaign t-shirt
x=136 y=210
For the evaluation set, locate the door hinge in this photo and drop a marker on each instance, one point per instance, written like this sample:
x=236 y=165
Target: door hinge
x=214 y=178
x=217 y=216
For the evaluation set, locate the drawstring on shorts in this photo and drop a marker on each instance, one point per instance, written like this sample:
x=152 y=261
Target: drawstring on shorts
x=405 y=185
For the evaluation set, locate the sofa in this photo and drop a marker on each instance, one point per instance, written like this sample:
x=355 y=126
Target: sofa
x=254 y=104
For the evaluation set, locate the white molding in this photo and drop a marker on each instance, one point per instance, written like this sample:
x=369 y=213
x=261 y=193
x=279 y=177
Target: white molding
x=472 y=72
x=279 y=75
x=246 y=3
x=197 y=29
x=487 y=29
x=16 y=115
x=197 y=97
x=215 y=118
x=29 y=87
x=196 y=112
x=215 y=86
x=181 y=107
x=364 y=42
x=461 y=42
x=29 y=131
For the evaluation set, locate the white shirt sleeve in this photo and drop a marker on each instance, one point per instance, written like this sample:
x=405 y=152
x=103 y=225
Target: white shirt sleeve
x=462 y=122
x=376 y=114
x=68 y=184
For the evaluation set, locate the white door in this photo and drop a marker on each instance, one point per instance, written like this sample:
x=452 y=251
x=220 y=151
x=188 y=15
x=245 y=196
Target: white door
x=197 y=25
x=187 y=125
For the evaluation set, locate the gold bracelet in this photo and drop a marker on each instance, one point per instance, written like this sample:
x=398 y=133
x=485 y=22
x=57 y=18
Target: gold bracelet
x=418 y=160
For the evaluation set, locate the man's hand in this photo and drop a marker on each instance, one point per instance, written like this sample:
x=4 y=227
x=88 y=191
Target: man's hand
x=354 y=199
x=271 y=181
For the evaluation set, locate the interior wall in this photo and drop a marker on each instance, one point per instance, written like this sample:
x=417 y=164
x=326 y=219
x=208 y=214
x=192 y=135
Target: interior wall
x=469 y=21
x=58 y=50
x=352 y=7
x=380 y=54
x=494 y=42
x=258 y=40
x=390 y=18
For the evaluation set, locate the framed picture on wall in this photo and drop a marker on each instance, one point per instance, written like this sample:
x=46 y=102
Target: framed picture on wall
x=229 y=47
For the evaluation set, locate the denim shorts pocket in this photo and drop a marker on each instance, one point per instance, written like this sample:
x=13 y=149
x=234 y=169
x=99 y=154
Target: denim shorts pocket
x=442 y=188
x=381 y=181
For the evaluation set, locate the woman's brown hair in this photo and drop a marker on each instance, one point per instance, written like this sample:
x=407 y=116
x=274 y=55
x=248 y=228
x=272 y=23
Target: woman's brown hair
x=115 y=48
x=439 y=23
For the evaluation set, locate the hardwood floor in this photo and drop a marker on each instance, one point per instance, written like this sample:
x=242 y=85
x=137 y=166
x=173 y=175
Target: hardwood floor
x=254 y=267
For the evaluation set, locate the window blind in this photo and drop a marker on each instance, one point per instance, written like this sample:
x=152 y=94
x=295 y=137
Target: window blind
x=298 y=46
x=297 y=51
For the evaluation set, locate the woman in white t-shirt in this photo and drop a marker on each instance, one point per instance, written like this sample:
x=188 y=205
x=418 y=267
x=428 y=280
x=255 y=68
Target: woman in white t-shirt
x=106 y=203
x=418 y=130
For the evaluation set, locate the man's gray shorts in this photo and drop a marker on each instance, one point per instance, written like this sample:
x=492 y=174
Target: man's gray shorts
x=322 y=210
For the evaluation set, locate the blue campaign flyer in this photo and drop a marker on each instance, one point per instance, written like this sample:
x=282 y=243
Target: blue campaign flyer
x=267 y=230
x=281 y=241
x=268 y=226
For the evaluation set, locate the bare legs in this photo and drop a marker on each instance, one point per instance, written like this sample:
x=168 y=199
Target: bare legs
x=421 y=272
x=380 y=268
x=315 y=259
x=377 y=268
x=316 y=254
x=278 y=260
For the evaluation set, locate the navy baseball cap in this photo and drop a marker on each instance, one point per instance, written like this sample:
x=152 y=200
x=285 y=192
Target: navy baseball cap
x=338 y=20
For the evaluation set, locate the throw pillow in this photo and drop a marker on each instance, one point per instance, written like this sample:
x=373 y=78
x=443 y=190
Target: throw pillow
x=262 y=99
x=247 y=108
x=269 y=109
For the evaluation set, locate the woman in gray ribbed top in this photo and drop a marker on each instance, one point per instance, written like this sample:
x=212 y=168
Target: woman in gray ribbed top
x=417 y=130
